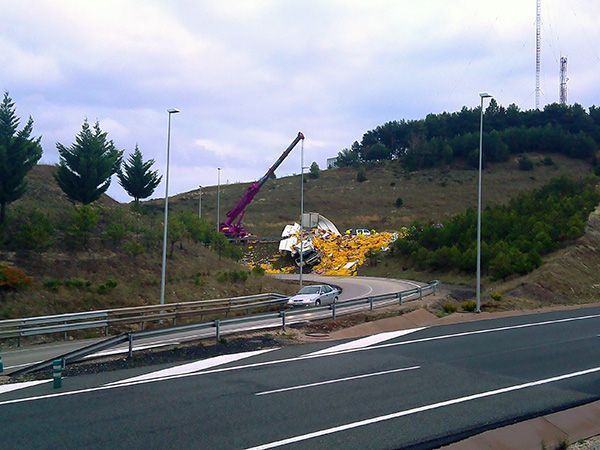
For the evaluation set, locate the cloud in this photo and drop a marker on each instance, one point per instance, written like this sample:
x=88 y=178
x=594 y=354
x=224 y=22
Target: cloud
x=249 y=75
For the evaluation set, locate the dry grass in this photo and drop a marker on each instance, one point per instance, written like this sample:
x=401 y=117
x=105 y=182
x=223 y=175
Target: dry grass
x=428 y=195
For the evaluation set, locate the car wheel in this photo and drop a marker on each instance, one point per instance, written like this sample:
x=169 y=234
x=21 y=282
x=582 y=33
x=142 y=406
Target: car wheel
x=335 y=300
x=317 y=302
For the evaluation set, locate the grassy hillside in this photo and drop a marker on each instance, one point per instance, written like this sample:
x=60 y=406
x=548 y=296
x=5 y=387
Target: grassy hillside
x=116 y=263
x=427 y=195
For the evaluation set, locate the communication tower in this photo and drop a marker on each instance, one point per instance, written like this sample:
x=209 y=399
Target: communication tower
x=563 y=80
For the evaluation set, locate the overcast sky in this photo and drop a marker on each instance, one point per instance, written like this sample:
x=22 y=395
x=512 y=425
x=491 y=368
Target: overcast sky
x=248 y=75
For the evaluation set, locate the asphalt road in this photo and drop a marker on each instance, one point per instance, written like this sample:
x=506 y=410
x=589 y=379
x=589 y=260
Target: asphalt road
x=419 y=390
x=353 y=287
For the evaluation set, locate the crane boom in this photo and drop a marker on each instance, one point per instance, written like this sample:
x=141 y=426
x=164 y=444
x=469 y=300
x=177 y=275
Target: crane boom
x=232 y=226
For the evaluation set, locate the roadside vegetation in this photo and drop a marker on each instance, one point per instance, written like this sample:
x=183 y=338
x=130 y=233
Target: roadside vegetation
x=514 y=236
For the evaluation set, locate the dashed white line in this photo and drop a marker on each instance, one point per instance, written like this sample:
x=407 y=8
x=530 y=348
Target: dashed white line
x=337 y=380
x=408 y=412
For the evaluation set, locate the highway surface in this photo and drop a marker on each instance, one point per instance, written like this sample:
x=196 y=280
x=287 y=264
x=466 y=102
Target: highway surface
x=353 y=287
x=416 y=389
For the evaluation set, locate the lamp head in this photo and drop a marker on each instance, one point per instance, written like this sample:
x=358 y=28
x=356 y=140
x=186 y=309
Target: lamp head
x=173 y=111
x=485 y=95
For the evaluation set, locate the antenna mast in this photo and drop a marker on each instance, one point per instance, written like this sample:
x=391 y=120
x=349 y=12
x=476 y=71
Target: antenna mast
x=538 y=36
x=563 y=80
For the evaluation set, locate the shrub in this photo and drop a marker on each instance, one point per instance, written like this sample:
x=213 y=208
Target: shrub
x=469 y=306
x=547 y=161
x=114 y=233
x=258 y=271
x=361 y=175
x=314 y=171
x=233 y=276
x=399 y=202
x=496 y=296
x=82 y=224
x=198 y=280
x=12 y=279
x=449 y=308
x=52 y=284
x=525 y=163
x=105 y=288
x=597 y=170
x=77 y=283
x=35 y=232
x=133 y=248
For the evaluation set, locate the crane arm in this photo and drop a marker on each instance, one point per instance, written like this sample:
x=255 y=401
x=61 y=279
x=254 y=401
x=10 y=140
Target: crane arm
x=237 y=212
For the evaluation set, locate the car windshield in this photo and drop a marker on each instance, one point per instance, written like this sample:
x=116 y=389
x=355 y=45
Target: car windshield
x=309 y=290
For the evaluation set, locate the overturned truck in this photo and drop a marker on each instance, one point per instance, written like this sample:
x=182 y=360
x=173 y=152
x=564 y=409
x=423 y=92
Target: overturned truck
x=297 y=240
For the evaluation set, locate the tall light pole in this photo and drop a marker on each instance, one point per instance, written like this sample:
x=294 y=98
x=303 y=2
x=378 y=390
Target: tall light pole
x=200 y=203
x=218 y=197
x=483 y=96
x=164 y=254
x=301 y=211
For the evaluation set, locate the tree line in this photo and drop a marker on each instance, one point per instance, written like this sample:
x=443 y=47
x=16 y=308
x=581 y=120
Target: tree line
x=514 y=236
x=443 y=138
x=84 y=170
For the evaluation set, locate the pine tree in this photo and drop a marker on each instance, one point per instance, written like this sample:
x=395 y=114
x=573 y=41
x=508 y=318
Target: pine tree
x=85 y=168
x=137 y=178
x=314 y=170
x=18 y=154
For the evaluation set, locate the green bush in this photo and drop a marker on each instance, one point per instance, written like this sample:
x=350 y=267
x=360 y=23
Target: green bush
x=547 y=161
x=525 y=163
x=105 y=288
x=114 y=233
x=83 y=223
x=52 y=284
x=469 y=305
x=78 y=283
x=198 y=280
x=449 y=308
x=34 y=232
x=399 y=202
x=496 y=296
x=258 y=271
x=361 y=175
x=133 y=248
x=233 y=276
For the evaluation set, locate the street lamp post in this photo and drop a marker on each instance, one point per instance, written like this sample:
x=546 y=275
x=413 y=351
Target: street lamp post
x=483 y=96
x=200 y=203
x=218 y=197
x=164 y=254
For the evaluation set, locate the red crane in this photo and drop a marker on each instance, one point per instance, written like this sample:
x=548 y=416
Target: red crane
x=232 y=226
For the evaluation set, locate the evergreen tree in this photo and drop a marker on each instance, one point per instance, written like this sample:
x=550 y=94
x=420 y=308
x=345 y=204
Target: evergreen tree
x=314 y=171
x=137 y=178
x=18 y=154
x=85 y=168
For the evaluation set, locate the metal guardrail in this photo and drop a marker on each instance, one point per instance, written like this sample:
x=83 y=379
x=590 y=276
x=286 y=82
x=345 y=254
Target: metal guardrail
x=62 y=323
x=285 y=316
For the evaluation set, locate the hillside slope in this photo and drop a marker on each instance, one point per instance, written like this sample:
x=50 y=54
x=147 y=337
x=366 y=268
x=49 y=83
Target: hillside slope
x=570 y=275
x=428 y=195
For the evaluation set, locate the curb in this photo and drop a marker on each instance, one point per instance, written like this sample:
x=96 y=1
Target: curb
x=549 y=431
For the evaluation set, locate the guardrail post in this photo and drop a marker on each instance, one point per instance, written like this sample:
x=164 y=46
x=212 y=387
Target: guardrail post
x=106 y=330
x=1 y=365
x=57 y=366
x=433 y=287
x=420 y=293
x=333 y=311
x=282 y=314
x=370 y=303
x=130 y=350
x=217 y=330
x=399 y=298
x=65 y=333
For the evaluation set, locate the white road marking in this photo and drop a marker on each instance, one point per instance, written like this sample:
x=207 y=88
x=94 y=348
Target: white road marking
x=196 y=366
x=21 y=365
x=125 y=350
x=419 y=409
x=16 y=386
x=302 y=358
x=337 y=380
x=366 y=341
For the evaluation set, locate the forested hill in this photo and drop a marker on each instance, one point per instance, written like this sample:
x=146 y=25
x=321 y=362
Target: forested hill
x=445 y=138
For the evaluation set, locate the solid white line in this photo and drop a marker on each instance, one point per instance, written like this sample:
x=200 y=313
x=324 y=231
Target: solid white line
x=338 y=380
x=16 y=386
x=302 y=358
x=22 y=365
x=195 y=366
x=367 y=341
x=419 y=409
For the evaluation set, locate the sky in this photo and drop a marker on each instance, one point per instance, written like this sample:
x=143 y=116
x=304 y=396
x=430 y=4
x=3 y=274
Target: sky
x=248 y=75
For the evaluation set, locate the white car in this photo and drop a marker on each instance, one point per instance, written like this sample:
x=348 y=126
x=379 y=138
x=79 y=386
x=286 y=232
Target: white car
x=315 y=295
